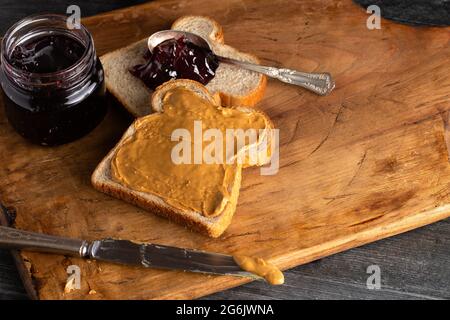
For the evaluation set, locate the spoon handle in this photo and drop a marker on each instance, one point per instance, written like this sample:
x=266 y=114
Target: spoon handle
x=320 y=83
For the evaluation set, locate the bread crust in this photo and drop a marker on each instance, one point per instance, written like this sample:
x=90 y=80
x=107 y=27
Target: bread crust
x=157 y=96
x=215 y=35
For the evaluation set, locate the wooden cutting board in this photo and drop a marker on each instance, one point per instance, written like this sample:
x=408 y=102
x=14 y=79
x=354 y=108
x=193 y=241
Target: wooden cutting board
x=367 y=162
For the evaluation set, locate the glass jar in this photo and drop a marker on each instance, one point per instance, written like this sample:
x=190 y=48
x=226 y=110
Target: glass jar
x=52 y=80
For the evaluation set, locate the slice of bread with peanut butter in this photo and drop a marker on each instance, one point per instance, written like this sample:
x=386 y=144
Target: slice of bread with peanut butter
x=231 y=85
x=148 y=169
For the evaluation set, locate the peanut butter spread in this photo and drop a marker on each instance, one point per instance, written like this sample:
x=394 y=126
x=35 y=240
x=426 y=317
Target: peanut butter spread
x=144 y=162
x=260 y=267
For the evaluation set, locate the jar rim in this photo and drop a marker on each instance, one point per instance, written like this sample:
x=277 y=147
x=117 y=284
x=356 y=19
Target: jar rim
x=48 y=78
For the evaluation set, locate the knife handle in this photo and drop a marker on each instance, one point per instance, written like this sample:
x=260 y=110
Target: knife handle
x=12 y=238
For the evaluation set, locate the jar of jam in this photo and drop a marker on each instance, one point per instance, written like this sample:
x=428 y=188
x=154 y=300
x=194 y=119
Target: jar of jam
x=52 y=80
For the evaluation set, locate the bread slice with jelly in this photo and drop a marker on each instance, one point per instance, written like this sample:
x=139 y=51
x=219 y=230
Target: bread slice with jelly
x=231 y=84
x=201 y=196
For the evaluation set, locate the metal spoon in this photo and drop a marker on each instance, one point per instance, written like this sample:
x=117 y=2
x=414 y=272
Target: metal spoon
x=320 y=83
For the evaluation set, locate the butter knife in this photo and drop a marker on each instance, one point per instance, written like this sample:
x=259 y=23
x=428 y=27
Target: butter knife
x=125 y=252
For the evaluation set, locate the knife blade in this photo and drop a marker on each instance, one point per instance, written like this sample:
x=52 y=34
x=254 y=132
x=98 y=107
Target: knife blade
x=165 y=257
x=126 y=252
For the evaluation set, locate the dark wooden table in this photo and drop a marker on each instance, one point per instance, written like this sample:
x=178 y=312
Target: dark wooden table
x=414 y=265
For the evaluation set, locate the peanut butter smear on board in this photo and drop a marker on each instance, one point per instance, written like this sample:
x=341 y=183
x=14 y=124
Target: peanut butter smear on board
x=144 y=162
x=261 y=268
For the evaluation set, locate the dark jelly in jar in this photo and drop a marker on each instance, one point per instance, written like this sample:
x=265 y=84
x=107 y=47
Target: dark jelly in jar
x=52 y=80
x=48 y=53
x=176 y=59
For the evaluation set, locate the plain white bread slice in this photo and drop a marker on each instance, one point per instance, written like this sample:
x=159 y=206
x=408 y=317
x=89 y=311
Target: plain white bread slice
x=231 y=84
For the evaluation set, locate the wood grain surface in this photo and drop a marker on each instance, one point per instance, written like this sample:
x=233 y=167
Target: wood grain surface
x=367 y=162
